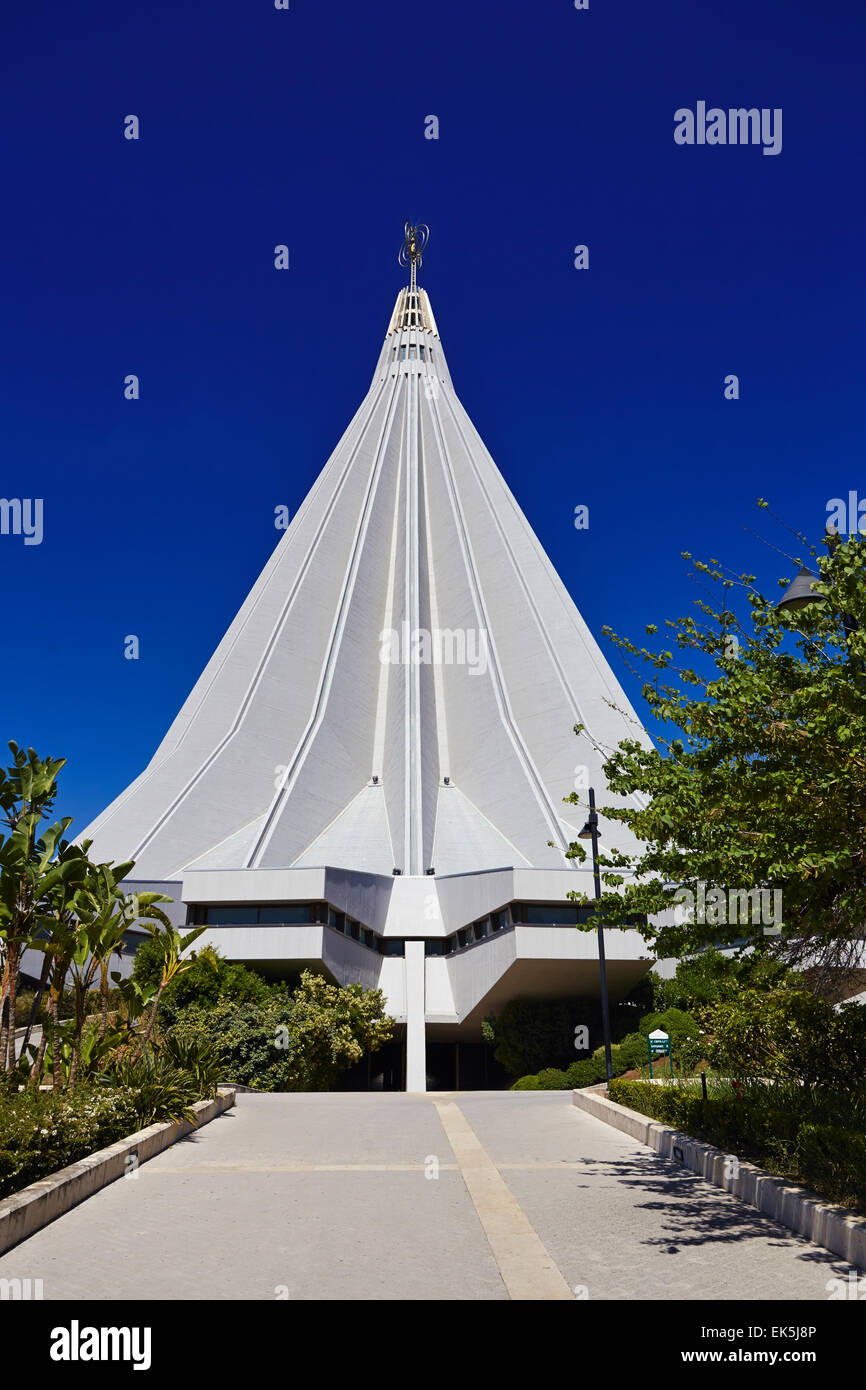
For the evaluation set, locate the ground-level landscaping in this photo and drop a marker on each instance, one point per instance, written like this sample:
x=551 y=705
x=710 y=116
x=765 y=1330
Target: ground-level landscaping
x=87 y=1057
x=41 y=1133
x=811 y=1137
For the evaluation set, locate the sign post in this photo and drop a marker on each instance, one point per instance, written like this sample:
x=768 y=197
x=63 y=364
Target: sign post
x=659 y=1045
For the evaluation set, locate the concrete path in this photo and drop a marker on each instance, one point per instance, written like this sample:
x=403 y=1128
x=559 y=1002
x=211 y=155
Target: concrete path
x=465 y=1195
x=35 y=1037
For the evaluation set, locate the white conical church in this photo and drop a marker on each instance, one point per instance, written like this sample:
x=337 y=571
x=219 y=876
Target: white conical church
x=368 y=777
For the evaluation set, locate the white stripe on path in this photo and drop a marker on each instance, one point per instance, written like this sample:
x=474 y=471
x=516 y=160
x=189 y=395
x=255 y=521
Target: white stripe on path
x=527 y=1269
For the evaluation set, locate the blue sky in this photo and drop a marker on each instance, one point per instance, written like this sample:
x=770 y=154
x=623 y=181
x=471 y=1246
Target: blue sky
x=601 y=387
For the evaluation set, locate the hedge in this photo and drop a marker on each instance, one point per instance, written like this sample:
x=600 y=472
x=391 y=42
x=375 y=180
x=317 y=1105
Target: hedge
x=790 y=1141
x=629 y=1054
x=583 y=1073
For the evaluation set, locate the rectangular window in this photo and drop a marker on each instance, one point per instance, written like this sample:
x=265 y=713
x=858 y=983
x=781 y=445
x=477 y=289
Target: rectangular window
x=248 y=915
x=549 y=915
x=231 y=916
x=285 y=914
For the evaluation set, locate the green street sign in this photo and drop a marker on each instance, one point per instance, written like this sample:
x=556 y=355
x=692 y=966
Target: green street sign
x=659 y=1045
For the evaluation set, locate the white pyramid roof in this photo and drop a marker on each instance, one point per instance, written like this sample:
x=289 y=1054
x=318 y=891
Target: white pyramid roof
x=410 y=527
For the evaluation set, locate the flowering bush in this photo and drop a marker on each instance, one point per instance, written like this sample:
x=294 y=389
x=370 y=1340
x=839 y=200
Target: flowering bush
x=41 y=1132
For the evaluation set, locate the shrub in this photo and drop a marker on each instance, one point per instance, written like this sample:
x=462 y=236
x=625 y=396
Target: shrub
x=780 y=1034
x=711 y=977
x=776 y=1125
x=42 y=1132
x=209 y=978
x=675 y=1022
x=552 y=1079
x=638 y=1095
x=197 y=1058
x=66 y=1007
x=243 y=1035
x=833 y=1160
x=533 y=1033
x=585 y=1073
x=691 y=1052
x=631 y=1052
x=297 y=1042
x=842 y=1054
x=795 y=1035
x=159 y=1090
x=548 y=1079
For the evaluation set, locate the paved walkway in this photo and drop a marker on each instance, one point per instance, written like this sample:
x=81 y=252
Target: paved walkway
x=335 y=1196
x=35 y=1037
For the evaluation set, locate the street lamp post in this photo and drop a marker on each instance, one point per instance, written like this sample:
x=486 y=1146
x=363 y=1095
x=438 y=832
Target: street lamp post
x=590 y=832
x=801 y=592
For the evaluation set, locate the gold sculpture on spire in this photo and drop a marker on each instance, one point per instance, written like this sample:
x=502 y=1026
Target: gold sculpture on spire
x=415 y=238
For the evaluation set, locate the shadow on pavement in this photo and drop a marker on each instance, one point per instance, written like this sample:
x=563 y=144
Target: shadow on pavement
x=700 y=1214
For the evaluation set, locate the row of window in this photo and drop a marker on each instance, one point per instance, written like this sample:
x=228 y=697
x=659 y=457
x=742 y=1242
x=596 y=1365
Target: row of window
x=476 y=931
x=385 y=945
x=246 y=915
x=412 y=352
x=291 y=914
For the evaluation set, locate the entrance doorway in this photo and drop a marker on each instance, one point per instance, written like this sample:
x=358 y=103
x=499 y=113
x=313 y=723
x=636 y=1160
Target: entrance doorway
x=464 y=1066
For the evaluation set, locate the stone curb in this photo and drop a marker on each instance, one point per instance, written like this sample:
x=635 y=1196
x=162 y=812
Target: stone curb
x=27 y=1211
x=802 y=1211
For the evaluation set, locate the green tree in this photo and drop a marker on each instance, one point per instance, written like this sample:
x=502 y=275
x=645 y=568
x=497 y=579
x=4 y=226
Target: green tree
x=210 y=977
x=171 y=944
x=782 y=1034
x=331 y=1027
x=289 y=1042
x=711 y=976
x=530 y=1034
x=762 y=785
x=29 y=874
x=104 y=911
x=84 y=919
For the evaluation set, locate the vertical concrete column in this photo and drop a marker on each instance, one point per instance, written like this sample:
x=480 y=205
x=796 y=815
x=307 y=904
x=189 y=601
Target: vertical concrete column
x=416 y=1037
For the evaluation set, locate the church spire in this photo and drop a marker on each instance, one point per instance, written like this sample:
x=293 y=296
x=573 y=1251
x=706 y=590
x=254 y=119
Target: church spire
x=401 y=686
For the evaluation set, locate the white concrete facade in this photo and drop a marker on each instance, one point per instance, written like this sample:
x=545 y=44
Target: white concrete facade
x=386 y=728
